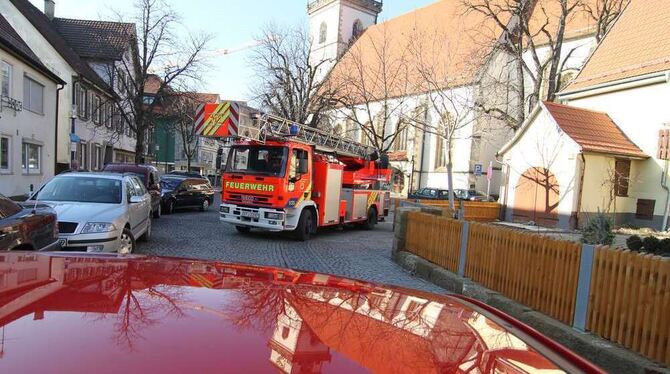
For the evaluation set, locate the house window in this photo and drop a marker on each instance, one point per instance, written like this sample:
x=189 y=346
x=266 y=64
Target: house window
x=83 y=156
x=645 y=209
x=105 y=114
x=4 y=153
x=96 y=156
x=96 y=111
x=622 y=177
x=81 y=101
x=323 y=32
x=33 y=95
x=31 y=158
x=5 y=79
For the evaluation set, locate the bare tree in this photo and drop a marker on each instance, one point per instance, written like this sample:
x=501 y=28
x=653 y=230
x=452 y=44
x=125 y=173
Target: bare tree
x=604 y=13
x=289 y=84
x=533 y=36
x=374 y=87
x=180 y=108
x=166 y=49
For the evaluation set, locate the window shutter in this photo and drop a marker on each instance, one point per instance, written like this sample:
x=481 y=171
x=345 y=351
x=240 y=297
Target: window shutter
x=663 y=144
x=622 y=175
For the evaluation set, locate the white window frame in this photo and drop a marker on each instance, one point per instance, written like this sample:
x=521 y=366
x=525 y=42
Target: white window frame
x=25 y=166
x=8 y=169
x=83 y=155
x=28 y=105
x=96 y=110
x=82 y=94
x=10 y=77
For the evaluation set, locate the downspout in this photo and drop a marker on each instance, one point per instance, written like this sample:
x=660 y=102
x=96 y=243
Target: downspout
x=664 y=184
x=58 y=90
x=581 y=189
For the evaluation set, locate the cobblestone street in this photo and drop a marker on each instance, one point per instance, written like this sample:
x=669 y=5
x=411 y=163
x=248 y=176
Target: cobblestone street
x=351 y=253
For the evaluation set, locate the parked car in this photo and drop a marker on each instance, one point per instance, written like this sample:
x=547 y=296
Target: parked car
x=29 y=227
x=178 y=191
x=148 y=174
x=186 y=174
x=98 y=212
x=474 y=195
x=166 y=315
x=429 y=194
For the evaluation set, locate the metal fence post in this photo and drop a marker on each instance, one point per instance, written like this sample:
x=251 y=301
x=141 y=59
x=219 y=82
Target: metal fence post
x=464 y=249
x=583 y=287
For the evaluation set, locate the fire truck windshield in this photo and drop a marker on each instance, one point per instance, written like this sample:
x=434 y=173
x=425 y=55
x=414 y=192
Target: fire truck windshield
x=261 y=159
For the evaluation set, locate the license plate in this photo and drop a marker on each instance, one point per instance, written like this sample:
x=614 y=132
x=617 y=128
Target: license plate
x=249 y=214
x=248 y=199
x=62 y=242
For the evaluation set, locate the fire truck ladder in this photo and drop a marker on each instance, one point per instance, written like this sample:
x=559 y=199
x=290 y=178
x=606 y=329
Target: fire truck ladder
x=270 y=126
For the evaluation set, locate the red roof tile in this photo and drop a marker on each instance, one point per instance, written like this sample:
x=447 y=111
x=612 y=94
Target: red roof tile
x=593 y=131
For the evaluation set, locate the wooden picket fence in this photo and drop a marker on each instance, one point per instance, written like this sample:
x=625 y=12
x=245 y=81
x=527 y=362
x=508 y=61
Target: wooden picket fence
x=479 y=211
x=437 y=239
x=629 y=302
x=539 y=273
x=629 y=296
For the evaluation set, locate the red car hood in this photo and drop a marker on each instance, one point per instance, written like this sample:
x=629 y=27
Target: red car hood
x=63 y=313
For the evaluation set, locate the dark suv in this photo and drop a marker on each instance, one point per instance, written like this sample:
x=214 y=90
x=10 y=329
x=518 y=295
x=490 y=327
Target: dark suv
x=27 y=227
x=179 y=191
x=148 y=174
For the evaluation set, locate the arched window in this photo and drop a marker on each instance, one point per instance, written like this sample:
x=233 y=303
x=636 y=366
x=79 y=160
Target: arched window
x=400 y=143
x=357 y=29
x=446 y=122
x=323 y=32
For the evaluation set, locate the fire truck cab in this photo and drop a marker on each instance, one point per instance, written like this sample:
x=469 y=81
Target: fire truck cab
x=287 y=185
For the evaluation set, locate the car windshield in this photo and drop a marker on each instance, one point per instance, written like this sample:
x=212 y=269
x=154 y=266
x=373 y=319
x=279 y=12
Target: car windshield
x=142 y=177
x=81 y=189
x=170 y=183
x=258 y=160
x=8 y=207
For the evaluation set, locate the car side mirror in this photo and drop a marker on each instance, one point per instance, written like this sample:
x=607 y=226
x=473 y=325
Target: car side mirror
x=302 y=166
x=135 y=199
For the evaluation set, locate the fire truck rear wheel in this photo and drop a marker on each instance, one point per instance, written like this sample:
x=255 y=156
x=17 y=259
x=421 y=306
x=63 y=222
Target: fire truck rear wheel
x=305 y=226
x=243 y=229
x=370 y=223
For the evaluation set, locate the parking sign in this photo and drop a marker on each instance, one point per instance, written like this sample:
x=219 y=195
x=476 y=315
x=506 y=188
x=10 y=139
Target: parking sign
x=478 y=170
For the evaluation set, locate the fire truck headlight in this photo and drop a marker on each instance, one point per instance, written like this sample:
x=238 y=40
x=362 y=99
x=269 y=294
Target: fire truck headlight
x=224 y=209
x=275 y=216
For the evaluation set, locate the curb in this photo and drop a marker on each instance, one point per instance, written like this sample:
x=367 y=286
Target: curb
x=608 y=355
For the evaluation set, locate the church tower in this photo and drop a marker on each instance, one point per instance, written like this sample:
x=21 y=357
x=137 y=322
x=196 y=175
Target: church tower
x=334 y=24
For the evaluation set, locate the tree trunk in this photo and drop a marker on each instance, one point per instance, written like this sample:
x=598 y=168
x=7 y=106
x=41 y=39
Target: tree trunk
x=188 y=163
x=139 y=145
x=450 y=178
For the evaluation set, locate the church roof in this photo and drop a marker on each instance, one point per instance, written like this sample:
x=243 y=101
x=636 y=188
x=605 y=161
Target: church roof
x=440 y=45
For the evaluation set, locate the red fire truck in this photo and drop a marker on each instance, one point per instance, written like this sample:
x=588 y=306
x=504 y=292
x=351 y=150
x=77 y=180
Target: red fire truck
x=284 y=176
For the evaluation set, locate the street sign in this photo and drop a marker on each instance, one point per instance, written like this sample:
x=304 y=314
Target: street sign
x=478 y=170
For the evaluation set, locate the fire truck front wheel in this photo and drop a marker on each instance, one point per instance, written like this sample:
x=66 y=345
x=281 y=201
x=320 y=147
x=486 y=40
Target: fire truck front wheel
x=243 y=229
x=306 y=226
x=370 y=223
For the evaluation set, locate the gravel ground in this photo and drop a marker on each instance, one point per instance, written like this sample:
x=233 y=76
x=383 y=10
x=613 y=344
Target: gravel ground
x=350 y=252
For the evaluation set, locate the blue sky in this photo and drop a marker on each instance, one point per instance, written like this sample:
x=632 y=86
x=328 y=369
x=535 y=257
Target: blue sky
x=233 y=23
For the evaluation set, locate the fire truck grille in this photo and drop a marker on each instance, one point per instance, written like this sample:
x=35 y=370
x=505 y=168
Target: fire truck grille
x=249 y=199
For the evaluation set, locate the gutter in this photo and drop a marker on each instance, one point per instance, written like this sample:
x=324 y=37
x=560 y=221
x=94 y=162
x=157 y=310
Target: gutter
x=664 y=185
x=623 y=84
x=58 y=90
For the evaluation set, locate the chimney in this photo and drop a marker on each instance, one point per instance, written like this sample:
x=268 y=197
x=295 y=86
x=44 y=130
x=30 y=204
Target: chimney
x=49 y=8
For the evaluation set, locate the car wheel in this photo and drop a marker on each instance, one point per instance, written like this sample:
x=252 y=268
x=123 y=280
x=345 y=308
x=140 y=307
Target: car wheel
x=127 y=242
x=371 y=221
x=147 y=234
x=243 y=229
x=169 y=208
x=204 y=205
x=305 y=226
x=157 y=212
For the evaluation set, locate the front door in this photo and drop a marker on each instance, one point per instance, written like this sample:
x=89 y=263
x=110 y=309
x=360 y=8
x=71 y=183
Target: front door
x=536 y=198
